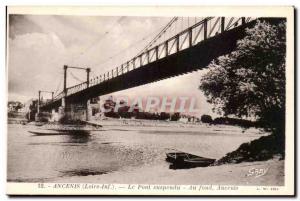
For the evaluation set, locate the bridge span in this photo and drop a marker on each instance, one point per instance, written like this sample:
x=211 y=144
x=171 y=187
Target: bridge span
x=190 y=50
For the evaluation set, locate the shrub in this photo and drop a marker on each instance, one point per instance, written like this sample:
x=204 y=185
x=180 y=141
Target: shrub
x=206 y=118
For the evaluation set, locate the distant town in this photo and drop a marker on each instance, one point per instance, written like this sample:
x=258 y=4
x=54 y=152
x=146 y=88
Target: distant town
x=26 y=112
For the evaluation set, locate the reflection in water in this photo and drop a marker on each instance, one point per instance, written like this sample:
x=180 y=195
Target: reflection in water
x=181 y=166
x=77 y=138
x=83 y=172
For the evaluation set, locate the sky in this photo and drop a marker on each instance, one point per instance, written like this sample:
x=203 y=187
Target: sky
x=39 y=46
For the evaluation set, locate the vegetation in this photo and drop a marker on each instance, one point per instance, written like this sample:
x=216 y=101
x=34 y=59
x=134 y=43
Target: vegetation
x=260 y=149
x=15 y=105
x=175 y=116
x=124 y=112
x=230 y=121
x=250 y=81
x=206 y=119
x=237 y=122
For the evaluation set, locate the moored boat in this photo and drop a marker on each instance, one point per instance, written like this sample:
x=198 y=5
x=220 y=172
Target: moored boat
x=188 y=160
x=47 y=132
x=63 y=130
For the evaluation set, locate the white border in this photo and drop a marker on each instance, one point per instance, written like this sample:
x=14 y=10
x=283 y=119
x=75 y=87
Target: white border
x=211 y=2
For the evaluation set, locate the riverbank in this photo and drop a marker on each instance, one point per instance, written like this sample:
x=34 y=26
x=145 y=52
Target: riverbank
x=267 y=173
x=16 y=118
x=175 y=126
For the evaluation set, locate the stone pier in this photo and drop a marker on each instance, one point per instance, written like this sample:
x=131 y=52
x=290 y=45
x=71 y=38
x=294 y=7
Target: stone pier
x=75 y=111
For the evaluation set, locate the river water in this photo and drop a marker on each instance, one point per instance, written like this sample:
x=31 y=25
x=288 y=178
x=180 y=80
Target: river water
x=34 y=158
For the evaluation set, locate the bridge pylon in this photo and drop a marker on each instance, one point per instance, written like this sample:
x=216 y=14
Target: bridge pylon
x=68 y=110
x=39 y=103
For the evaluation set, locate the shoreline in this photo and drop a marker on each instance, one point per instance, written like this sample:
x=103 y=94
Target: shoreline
x=244 y=174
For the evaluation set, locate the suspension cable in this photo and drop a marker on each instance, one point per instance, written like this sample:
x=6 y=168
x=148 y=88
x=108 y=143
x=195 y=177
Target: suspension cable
x=75 y=77
x=58 y=86
x=100 y=38
x=125 y=49
x=158 y=35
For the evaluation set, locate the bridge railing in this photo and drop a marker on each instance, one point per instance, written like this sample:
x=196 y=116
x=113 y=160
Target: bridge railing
x=58 y=96
x=205 y=28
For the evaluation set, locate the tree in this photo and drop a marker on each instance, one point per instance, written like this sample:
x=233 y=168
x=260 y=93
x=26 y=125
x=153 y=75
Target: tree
x=175 y=116
x=109 y=106
x=123 y=112
x=250 y=81
x=164 y=116
x=206 y=118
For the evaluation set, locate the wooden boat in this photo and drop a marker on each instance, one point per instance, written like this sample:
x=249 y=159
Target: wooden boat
x=47 y=132
x=65 y=131
x=77 y=127
x=188 y=160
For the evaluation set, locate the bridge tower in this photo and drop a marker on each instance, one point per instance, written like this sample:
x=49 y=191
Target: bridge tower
x=66 y=110
x=39 y=103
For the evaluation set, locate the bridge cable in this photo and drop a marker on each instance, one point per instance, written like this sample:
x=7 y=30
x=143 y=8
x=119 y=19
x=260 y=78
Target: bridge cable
x=100 y=38
x=157 y=37
x=123 y=50
x=75 y=77
x=149 y=44
x=163 y=31
x=58 y=86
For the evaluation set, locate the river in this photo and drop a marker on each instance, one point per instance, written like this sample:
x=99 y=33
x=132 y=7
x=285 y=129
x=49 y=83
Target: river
x=120 y=149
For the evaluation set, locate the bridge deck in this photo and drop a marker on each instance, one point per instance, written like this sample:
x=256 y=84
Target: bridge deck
x=191 y=59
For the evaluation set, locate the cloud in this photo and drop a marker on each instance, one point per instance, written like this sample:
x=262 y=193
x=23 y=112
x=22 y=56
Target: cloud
x=34 y=62
x=20 y=24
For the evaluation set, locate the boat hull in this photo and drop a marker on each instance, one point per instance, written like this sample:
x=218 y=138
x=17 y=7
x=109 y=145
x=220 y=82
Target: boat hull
x=186 y=160
x=59 y=132
x=35 y=132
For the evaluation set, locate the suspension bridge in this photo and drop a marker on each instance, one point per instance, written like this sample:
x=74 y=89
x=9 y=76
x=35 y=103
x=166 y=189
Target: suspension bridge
x=188 y=50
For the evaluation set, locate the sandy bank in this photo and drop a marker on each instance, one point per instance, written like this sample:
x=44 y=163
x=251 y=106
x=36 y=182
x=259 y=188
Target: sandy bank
x=271 y=173
x=174 y=126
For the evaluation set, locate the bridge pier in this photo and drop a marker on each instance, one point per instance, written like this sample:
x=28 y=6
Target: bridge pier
x=88 y=111
x=53 y=116
x=69 y=112
x=61 y=113
x=77 y=111
x=61 y=109
x=73 y=111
